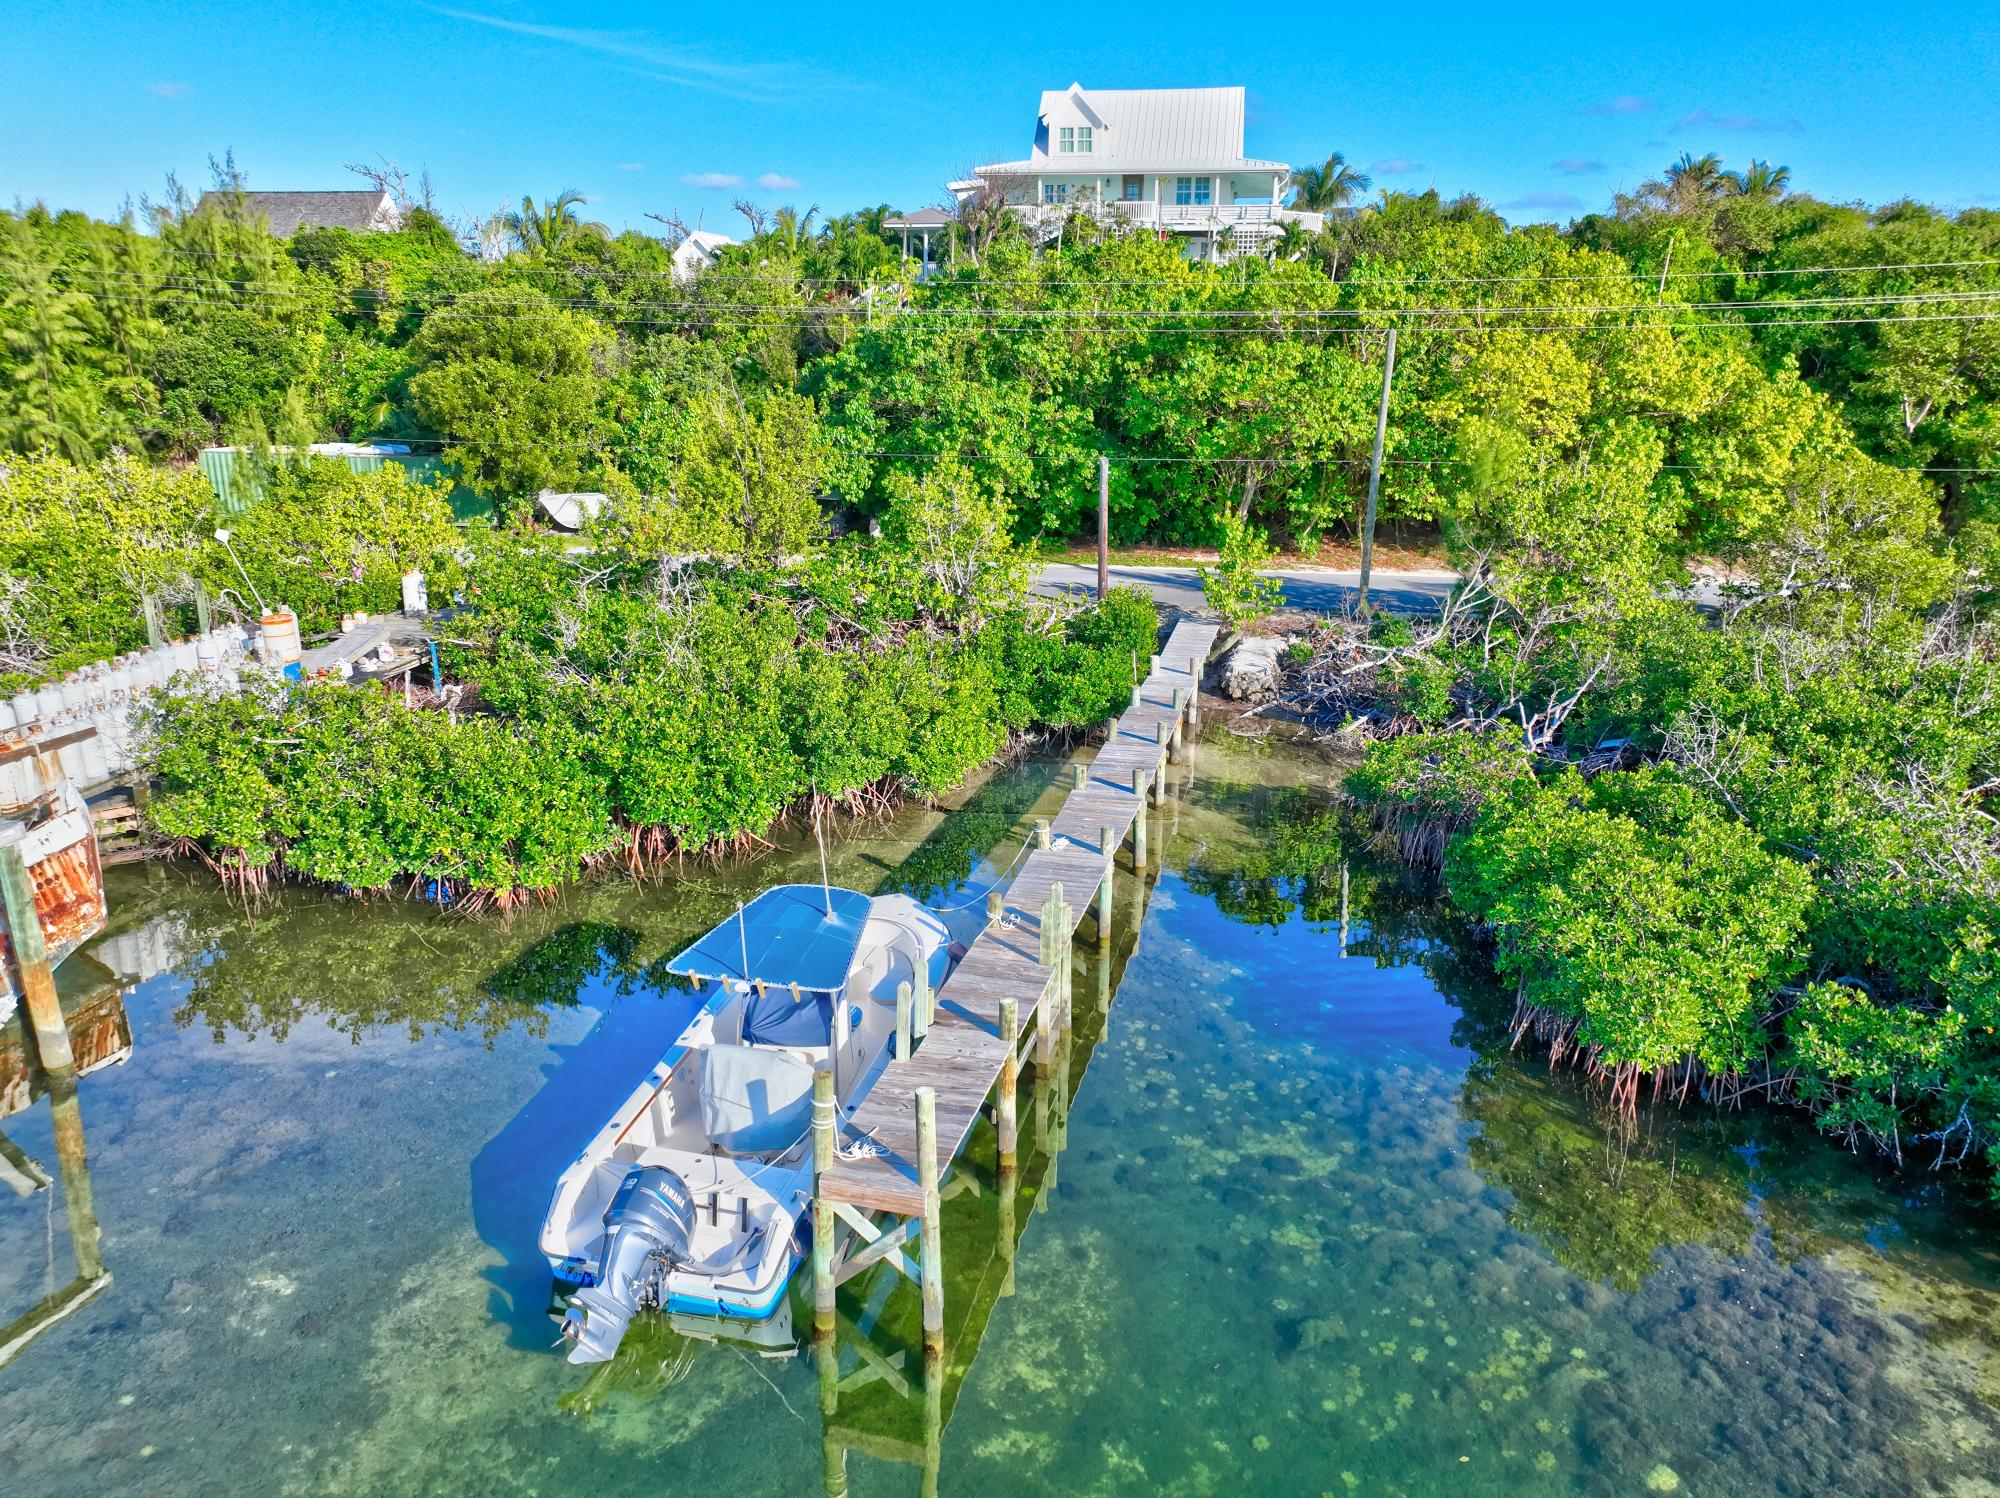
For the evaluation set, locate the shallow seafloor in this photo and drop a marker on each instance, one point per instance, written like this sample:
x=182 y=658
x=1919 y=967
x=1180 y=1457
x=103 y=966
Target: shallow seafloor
x=1314 y=1229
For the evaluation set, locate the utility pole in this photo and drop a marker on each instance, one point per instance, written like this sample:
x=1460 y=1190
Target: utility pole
x=1103 y=526
x=1375 y=472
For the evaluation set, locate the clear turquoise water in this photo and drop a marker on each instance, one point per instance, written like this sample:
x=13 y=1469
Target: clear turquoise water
x=1314 y=1229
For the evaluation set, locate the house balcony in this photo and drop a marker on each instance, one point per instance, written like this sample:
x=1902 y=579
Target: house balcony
x=1179 y=218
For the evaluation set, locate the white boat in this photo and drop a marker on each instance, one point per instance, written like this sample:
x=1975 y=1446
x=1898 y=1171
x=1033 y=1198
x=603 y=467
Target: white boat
x=692 y=1197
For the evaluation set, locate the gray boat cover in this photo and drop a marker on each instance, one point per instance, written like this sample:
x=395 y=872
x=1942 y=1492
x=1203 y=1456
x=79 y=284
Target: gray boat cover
x=755 y=1101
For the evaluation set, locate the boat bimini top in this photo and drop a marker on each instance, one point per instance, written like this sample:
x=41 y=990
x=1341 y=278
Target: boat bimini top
x=797 y=934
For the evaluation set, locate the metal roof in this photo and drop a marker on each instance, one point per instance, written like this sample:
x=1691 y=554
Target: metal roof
x=923 y=218
x=288 y=212
x=783 y=936
x=1142 y=129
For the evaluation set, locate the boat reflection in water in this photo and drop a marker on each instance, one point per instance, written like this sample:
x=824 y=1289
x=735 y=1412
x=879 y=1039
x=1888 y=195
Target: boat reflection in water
x=100 y=1035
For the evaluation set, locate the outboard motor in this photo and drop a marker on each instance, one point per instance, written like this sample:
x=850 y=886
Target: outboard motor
x=646 y=1234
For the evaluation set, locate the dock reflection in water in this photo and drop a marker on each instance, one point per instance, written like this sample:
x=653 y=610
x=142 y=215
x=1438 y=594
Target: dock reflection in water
x=93 y=1006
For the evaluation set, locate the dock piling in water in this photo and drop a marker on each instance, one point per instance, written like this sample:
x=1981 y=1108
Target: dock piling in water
x=822 y=1129
x=31 y=959
x=1007 y=1122
x=931 y=1255
x=905 y=1021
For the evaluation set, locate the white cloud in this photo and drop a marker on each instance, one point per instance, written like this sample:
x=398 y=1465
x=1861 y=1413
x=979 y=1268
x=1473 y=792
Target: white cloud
x=1543 y=201
x=1695 y=118
x=711 y=179
x=1623 y=104
x=777 y=182
x=1578 y=166
x=170 y=90
x=754 y=81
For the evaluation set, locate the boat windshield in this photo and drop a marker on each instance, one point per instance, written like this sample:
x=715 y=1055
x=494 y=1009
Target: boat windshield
x=782 y=937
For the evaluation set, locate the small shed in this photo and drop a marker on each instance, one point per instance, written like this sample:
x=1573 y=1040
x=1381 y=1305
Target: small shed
x=237 y=489
x=699 y=252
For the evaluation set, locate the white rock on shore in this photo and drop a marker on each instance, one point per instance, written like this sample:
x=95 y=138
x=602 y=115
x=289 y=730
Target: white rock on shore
x=1251 y=669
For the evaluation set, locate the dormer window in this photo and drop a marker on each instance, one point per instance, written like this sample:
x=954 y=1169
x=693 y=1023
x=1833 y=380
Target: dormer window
x=1073 y=140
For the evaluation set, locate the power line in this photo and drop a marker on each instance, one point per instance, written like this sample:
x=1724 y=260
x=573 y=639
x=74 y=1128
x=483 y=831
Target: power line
x=1363 y=268
x=1091 y=455
x=1644 y=316
x=536 y=305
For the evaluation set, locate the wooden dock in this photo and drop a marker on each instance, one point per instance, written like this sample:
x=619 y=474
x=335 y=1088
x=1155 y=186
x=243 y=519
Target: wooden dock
x=963 y=1054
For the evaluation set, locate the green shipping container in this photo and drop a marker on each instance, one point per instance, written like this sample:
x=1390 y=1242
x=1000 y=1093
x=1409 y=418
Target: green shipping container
x=235 y=491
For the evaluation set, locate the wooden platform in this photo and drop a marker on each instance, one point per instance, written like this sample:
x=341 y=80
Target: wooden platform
x=961 y=1056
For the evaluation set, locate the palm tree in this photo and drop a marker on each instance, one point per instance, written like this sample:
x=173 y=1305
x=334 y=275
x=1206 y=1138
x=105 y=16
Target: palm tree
x=791 y=229
x=1293 y=241
x=1328 y=188
x=1695 y=182
x=1760 y=182
x=871 y=220
x=545 y=228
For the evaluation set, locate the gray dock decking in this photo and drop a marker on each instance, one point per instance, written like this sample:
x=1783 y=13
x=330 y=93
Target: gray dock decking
x=960 y=1057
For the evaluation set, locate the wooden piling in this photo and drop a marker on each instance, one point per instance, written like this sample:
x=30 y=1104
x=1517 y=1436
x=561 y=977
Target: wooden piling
x=996 y=906
x=1007 y=1121
x=1104 y=904
x=1079 y=776
x=1043 y=837
x=931 y=1263
x=833 y=1453
x=921 y=1000
x=1139 y=821
x=1343 y=907
x=1010 y=1188
x=905 y=1021
x=822 y=1131
x=1160 y=780
x=31 y=960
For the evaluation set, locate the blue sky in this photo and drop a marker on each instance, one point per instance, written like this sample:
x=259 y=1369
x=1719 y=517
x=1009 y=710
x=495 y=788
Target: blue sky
x=661 y=108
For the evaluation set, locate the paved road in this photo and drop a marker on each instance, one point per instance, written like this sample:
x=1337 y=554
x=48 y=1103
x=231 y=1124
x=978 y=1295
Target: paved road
x=1305 y=587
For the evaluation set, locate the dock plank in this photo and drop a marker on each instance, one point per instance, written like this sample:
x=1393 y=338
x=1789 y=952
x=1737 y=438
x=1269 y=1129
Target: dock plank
x=960 y=1057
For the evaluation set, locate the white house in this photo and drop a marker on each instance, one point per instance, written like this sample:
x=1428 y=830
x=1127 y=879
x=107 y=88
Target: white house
x=1167 y=159
x=700 y=250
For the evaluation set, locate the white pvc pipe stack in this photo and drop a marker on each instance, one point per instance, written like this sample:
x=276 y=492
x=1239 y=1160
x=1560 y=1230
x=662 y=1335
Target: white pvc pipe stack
x=110 y=697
